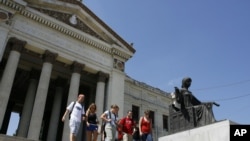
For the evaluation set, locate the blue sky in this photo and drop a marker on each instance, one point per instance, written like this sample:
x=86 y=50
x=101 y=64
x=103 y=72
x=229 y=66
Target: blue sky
x=207 y=40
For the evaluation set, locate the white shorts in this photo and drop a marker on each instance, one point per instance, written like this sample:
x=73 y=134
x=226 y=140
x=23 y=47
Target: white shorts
x=74 y=126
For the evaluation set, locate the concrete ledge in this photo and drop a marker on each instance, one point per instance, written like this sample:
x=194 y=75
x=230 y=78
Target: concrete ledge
x=218 y=131
x=12 y=138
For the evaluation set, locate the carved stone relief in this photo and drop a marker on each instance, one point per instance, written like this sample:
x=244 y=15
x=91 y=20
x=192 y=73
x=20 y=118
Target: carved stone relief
x=118 y=64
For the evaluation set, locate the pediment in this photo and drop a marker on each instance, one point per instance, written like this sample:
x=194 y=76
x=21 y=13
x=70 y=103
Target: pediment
x=87 y=21
x=64 y=17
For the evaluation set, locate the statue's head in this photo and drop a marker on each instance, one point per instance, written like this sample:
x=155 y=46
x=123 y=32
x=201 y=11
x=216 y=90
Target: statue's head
x=186 y=82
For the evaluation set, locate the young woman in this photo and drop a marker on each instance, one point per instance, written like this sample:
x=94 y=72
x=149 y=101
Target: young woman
x=145 y=127
x=91 y=122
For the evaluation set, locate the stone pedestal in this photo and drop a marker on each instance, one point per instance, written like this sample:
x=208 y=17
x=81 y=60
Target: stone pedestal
x=218 y=131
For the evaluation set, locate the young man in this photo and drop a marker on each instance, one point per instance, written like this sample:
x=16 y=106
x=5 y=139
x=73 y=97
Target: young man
x=110 y=118
x=76 y=111
x=127 y=126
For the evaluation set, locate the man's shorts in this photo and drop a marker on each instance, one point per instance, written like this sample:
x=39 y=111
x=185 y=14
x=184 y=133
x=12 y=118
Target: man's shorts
x=74 y=126
x=92 y=127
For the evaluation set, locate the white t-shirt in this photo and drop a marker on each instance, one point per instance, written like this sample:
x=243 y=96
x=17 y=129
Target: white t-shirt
x=113 y=118
x=77 y=111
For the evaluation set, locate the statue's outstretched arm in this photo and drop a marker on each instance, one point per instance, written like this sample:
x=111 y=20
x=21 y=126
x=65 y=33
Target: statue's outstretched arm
x=214 y=103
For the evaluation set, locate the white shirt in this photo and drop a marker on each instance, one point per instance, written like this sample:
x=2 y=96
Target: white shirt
x=113 y=118
x=77 y=111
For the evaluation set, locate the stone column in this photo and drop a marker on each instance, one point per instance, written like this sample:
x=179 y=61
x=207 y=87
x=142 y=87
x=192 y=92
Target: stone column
x=9 y=74
x=41 y=95
x=99 y=98
x=3 y=40
x=100 y=92
x=73 y=93
x=115 y=90
x=28 y=105
x=54 y=118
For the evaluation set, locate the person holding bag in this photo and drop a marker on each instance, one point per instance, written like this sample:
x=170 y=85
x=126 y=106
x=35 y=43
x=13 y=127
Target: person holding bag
x=110 y=119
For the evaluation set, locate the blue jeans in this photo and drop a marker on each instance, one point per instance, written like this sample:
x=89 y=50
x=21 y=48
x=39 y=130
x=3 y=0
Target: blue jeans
x=146 y=137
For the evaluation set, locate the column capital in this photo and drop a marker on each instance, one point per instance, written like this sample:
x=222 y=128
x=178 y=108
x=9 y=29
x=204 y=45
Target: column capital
x=77 y=67
x=102 y=76
x=49 y=57
x=16 y=44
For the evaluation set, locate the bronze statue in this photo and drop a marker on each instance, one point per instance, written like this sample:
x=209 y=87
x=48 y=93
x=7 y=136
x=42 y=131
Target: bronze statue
x=184 y=96
x=194 y=112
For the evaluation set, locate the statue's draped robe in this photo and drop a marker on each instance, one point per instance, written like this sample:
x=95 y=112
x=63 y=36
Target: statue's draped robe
x=203 y=111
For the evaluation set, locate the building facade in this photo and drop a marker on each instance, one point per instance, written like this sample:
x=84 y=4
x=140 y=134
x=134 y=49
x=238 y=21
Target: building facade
x=141 y=97
x=52 y=50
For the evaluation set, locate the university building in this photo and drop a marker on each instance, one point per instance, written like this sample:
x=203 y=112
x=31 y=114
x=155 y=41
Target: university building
x=52 y=50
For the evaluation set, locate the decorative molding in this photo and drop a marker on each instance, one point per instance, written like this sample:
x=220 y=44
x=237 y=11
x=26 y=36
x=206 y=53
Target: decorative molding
x=21 y=10
x=101 y=22
x=65 y=17
x=120 y=53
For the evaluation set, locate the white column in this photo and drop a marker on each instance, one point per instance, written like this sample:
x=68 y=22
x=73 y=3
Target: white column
x=54 y=118
x=3 y=40
x=41 y=95
x=73 y=93
x=9 y=74
x=23 y=126
x=100 y=92
x=99 y=98
x=116 y=90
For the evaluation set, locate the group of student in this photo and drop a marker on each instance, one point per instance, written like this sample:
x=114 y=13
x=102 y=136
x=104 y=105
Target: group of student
x=113 y=129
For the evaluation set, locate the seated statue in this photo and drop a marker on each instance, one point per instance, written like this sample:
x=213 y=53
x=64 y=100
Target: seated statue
x=200 y=113
x=185 y=97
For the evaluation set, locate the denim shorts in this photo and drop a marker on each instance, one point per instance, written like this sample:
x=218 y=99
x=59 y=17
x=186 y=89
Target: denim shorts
x=92 y=127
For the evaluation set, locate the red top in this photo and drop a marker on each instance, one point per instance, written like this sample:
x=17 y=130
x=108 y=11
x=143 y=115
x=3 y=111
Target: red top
x=120 y=133
x=127 y=124
x=145 y=126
